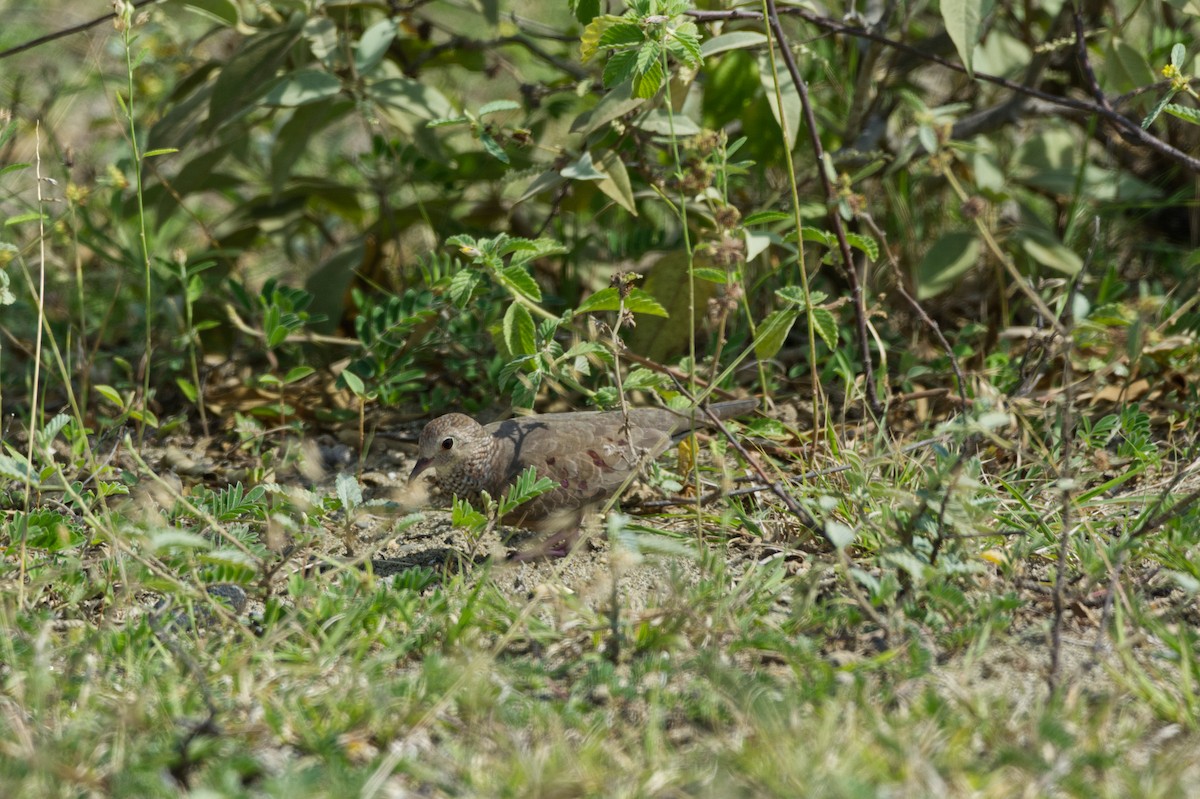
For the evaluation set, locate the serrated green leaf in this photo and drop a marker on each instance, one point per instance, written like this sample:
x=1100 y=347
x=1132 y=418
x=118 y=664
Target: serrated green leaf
x=606 y=299
x=517 y=280
x=792 y=294
x=462 y=286
x=864 y=244
x=1183 y=112
x=639 y=301
x=688 y=49
x=589 y=41
x=620 y=68
x=519 y=330
x=826 y=326
x=621 y=35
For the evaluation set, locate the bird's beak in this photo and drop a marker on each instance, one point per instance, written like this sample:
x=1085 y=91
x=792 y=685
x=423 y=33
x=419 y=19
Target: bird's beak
x=421 y=465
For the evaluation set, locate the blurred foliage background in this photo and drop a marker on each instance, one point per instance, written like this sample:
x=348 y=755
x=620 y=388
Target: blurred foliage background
x=251 y=191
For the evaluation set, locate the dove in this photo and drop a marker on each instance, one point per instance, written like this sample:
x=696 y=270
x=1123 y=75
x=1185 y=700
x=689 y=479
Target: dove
x=589 y=454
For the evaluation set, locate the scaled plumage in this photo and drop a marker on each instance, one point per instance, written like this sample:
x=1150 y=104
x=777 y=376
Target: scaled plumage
x=588 y=454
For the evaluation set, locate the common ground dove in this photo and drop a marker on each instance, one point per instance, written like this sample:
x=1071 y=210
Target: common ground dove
x=587 y=453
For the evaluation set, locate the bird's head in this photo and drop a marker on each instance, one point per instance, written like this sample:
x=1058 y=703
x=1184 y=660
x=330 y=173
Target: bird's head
x=446 y=441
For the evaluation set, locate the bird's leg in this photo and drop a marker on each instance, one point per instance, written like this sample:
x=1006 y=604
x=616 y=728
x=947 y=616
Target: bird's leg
x=556 y=546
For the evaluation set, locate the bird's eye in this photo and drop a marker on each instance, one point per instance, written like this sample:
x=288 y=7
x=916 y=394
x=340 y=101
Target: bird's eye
x=448 y=443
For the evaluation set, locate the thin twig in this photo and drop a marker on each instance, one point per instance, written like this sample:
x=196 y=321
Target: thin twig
x=1129 y=129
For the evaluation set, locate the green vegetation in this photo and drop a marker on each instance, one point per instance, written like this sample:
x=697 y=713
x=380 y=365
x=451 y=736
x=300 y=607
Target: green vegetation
x=246 y=247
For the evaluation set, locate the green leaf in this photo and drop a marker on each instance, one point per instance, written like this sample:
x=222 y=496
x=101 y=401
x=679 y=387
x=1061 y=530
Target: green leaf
x=950 y=257
x=1158 y=109
x=711 y=275
x=519 y=330
x=621 y=35
x=493 y=147
x=616 y=180
x=21 y=218
x=188 y=388
x=826 y=326
x=110 y=394
x=224 y=12
x=838 y=534
x=303 y=87
x=590 y=40
x=686 y=43
x=519 y=281
x=962 y=23
x=1053 y=254
x=664 y=123
x=414 y=97
x=1178 y=54
x=641 y=379
x=462 y=286
x=527 y=486
x=642 y=302
x=650 y=74
x=864 y=244
x=349 y=492
x=496 y=106
x=621 y=67
x=1183 y=112
x=605 y=299
x=353 y=382
x=763 y=217
x=617 y=103
x=738 y=40
x=160 y=151
x=373 y=45
x=586 y=10
x=297 y=373
x=794 y=294
x=582 y=169
x=773 y=332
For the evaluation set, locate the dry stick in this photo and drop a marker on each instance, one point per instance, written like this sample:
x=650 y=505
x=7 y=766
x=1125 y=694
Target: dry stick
x=1129 y=129
x=831 y=198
